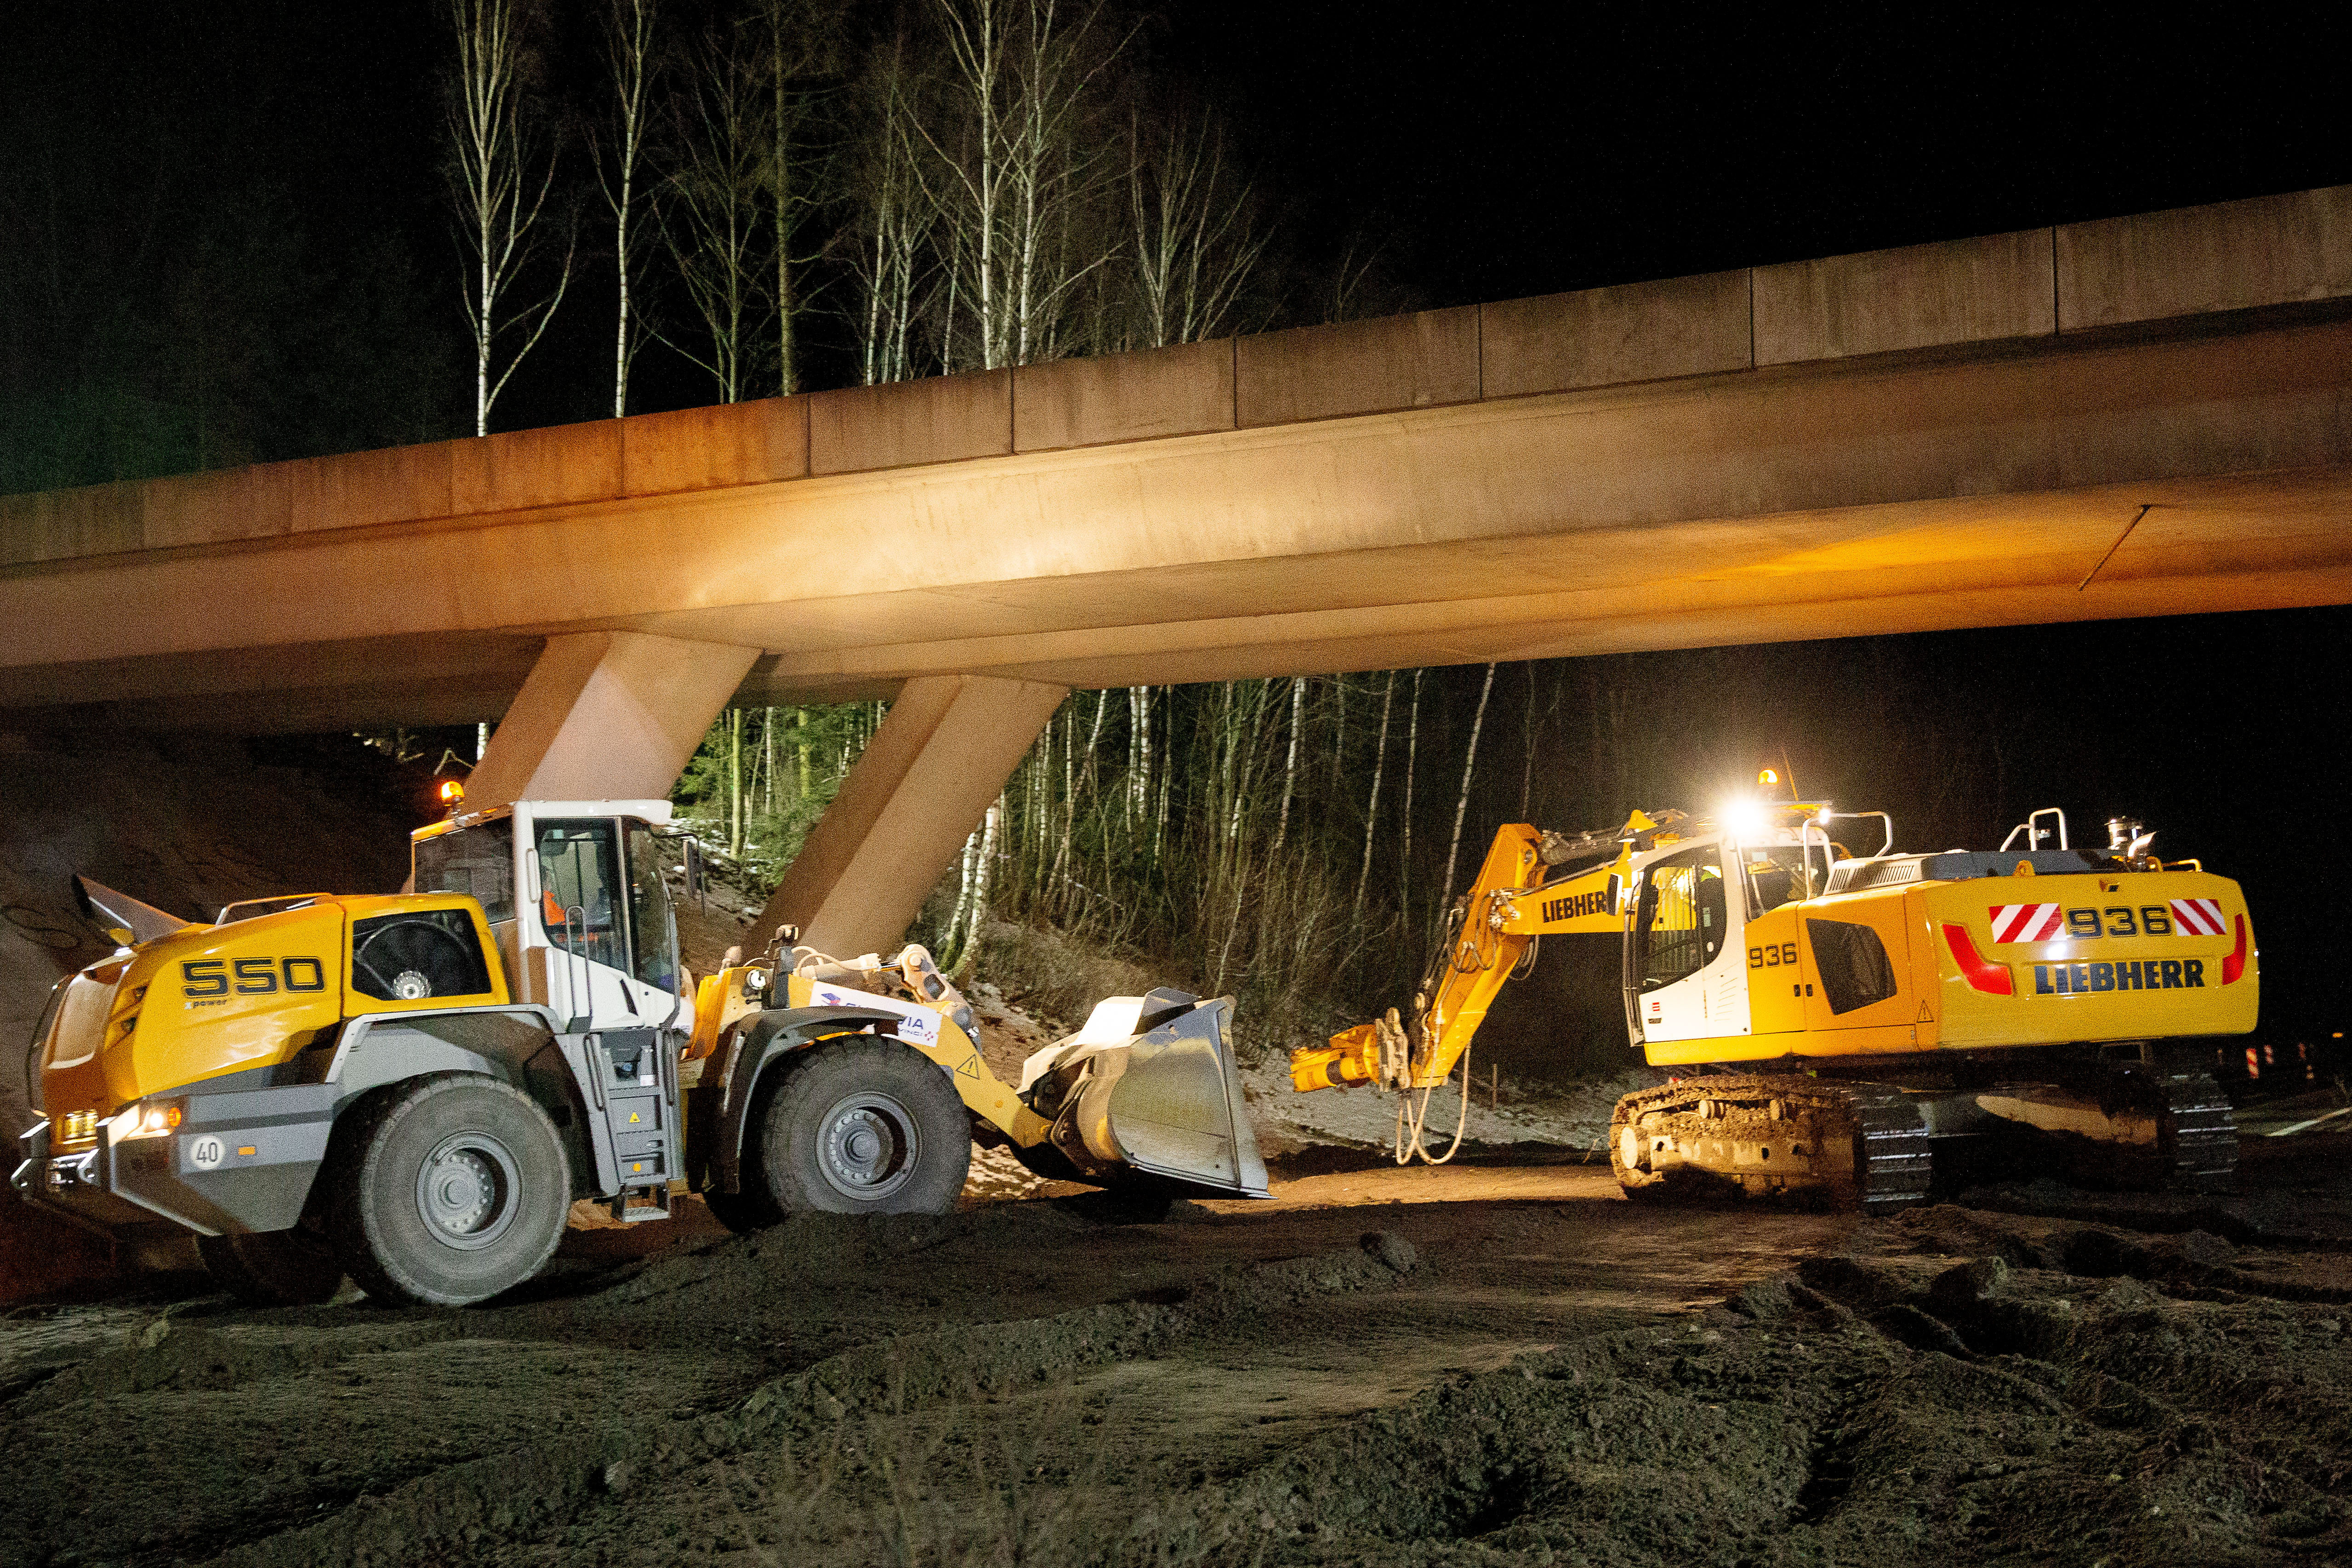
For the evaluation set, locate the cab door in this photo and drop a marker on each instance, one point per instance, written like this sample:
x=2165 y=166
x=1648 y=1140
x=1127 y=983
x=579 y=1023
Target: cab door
x=1685 y=976
x=605 y=939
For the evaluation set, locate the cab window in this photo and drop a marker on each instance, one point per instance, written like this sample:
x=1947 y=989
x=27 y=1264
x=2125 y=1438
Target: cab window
x=580 y=896
x=1773 y=875
x=478 y=861
x=1679 y=923
x=651 y=916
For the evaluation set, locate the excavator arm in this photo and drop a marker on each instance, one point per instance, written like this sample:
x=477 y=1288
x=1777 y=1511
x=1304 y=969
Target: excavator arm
x=1533 y=883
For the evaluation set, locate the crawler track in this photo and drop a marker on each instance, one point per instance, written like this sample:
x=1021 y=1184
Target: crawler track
x=1857 y=1145
x=2200 y=1134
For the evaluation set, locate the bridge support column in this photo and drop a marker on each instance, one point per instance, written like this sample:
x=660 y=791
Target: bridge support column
x=944 y=751
x=607 y=716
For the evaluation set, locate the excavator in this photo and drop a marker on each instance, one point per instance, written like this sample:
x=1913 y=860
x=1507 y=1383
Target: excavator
x=1852 y=1027
x=414 y=1089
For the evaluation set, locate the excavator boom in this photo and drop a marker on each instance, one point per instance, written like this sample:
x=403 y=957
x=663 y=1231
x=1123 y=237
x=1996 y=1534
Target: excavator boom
x=1520 y=895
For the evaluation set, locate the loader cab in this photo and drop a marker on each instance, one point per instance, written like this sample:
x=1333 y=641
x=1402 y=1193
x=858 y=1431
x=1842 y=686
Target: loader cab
x=578 y=903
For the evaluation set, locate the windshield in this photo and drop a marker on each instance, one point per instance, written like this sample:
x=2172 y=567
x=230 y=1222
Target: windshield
x=478 y=861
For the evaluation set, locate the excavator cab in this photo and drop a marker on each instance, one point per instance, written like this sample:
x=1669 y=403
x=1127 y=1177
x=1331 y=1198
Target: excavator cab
x=1683 y=973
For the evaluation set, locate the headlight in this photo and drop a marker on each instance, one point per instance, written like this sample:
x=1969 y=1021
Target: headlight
x=147 y=1120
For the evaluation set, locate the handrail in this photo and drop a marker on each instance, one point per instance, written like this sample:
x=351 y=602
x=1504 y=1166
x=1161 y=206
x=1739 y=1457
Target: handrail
x=2033 y=835
x=1887 y=848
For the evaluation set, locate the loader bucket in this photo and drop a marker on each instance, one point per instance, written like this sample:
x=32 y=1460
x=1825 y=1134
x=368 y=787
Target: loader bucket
x=1148 y=1089
x=1177 y=1112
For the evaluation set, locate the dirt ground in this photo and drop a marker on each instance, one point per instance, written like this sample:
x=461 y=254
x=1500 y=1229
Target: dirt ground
x=1500 y=1363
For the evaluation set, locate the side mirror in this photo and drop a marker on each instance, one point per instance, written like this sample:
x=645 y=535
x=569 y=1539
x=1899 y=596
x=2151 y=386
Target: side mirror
x=694 y=870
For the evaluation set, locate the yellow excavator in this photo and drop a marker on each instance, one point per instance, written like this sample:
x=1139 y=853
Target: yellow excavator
x=414 y=1089
x=1851 y=1026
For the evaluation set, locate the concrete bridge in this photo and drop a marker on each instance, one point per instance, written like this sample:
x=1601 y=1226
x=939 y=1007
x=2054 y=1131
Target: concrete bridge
x=1943 y=435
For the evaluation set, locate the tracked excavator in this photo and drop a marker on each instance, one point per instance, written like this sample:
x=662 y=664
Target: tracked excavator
x=413 y=1090
x=1855 y=1027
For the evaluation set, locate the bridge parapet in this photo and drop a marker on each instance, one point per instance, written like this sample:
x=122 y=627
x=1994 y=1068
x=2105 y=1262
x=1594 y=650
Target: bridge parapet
x=2112 y=274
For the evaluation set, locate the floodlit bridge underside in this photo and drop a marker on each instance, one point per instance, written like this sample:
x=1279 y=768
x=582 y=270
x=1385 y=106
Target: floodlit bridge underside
x=1839 y=500
x=2140 y=417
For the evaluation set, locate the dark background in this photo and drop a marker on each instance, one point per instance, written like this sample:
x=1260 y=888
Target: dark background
x=223 y=238
x=236 y=207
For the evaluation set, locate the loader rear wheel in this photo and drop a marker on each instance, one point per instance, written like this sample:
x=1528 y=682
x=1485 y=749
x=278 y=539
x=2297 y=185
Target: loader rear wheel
x=860 y=1125
x=273 y=1269
x=448 y=1191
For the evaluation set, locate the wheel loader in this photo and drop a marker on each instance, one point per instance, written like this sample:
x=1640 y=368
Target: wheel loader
x=1855 y=1027
x=414 y=1089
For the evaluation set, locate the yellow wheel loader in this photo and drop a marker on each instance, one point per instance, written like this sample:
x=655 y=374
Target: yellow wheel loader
x=1851 y=1026
x=414 y=1089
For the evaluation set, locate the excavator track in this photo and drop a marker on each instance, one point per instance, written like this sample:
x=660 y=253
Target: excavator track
x=1858 y=1146
x=2204 y=1133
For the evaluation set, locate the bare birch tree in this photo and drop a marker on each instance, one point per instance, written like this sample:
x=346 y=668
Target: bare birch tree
x=501 y=178
x=713 y=219
x=1012 y=171
x=1373 y=807
x=797 y=42
x=628 y=28
x=1290 y=765
x=1194 y=242
x=1461 y=801
x=888 y=241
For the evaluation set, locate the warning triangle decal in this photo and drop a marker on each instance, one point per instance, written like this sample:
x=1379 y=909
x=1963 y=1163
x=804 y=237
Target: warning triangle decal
x=1925 y=1015
x=970 y=1067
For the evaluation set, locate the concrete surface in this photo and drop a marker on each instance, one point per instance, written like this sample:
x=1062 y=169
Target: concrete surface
x=606 y=716
x=910 y=800
x=1904 y=440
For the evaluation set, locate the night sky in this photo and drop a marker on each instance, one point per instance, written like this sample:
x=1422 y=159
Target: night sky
x=1477 y=152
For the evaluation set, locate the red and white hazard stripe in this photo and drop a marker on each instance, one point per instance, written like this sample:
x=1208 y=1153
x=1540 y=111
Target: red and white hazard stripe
x=2198 y=917
x=2024 y=923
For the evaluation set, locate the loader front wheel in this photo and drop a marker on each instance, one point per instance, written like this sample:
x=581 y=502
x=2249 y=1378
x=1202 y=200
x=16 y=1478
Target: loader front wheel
x=273 y=1269
x=861 y=1125
x=448 y=1191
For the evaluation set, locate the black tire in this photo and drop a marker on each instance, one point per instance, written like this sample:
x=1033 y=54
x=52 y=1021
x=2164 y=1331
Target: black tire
x=742 y=1213
x=273 y=1269
x=446 y=1191
x=859 y=1125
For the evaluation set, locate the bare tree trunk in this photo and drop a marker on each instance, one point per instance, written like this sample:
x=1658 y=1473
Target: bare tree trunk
x=1373 y=807
x=500 y=185
x=1290 y=767
x=1073 y=786
x=1527 y=744
x=768 y=750
x=735 y=784
x=989 y=828
x=1412 y=754
x=949 y=949
x=1461 y=801
x=713 y=222
x=629 y=48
